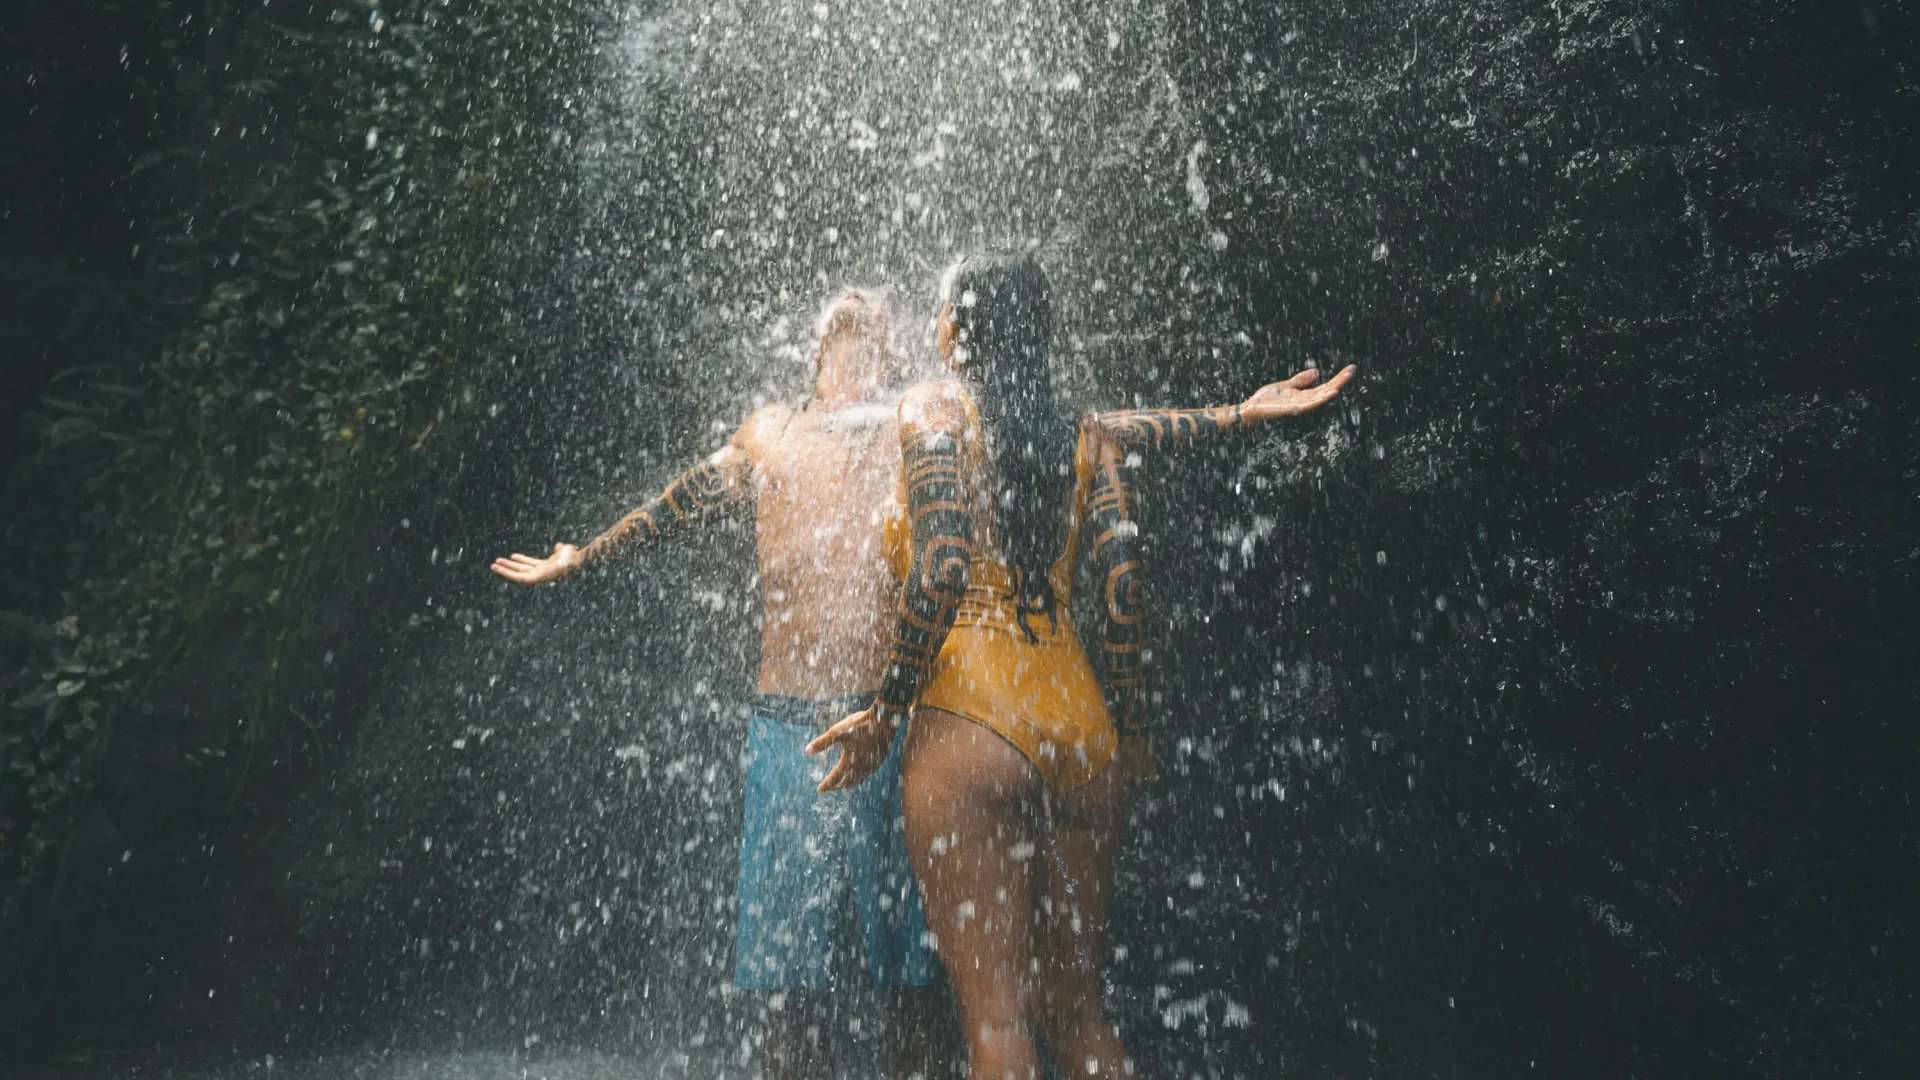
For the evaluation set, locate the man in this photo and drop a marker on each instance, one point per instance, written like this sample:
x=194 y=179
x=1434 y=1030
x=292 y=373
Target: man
x=817 y=477
x=820 y=479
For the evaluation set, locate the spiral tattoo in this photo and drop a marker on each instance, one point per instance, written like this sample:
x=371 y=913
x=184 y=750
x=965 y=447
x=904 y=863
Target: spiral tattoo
x=942 y=552
x=1117 y=566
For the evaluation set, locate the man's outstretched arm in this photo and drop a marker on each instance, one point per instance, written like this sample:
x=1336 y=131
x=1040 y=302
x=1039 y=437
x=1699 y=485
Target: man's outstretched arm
x=1148 y=430
x=701 y=492
x=713 y=486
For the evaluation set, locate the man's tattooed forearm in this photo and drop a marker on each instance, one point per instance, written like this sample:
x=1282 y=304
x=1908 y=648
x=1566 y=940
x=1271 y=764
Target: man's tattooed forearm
x=1154 y=429
x=1119 y=570
x=694 y=494
x=942 y=549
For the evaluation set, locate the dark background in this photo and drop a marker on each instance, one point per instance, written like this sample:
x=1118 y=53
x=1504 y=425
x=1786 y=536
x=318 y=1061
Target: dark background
x=1578 y=638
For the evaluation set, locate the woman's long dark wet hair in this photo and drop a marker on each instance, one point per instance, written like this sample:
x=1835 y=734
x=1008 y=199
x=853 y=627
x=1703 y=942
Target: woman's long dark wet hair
x=1004 y=318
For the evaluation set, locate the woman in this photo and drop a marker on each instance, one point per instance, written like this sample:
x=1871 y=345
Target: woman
x=1012 y=813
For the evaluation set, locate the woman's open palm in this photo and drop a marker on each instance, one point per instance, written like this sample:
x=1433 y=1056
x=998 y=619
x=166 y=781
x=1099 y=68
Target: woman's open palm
x=1291 y=397
x=528 y=570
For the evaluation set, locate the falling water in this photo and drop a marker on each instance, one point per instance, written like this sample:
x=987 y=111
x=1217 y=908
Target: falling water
x=739 y=160
x=735 y=164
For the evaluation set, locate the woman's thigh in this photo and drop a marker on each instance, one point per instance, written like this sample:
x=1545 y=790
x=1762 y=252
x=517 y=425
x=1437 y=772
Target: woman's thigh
x=1081 y=848
x=971 y=803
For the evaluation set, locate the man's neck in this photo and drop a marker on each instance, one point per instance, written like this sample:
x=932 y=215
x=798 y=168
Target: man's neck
x=837 y=397
x=834 y=394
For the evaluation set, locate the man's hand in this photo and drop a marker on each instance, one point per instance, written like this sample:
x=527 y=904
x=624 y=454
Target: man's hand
x=1138 y=767
x=864 y=739
x=528 y=570
x=1294 y=396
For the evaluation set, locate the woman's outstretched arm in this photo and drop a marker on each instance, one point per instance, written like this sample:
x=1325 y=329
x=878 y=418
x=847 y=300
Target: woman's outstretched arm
x=714 y=485
x=1119 y=572
x=1148 y=430
x=932 y=423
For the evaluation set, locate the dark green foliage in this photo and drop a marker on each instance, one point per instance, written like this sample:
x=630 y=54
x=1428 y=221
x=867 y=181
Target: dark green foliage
x=320 y=193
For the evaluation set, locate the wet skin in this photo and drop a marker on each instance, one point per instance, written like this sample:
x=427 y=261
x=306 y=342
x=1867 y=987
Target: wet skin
x=821 y=483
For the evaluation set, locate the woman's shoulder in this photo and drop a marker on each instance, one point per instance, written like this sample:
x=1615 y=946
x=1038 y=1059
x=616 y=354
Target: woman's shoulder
x=1095 y=447
x=1093 y=438
x=941 y=403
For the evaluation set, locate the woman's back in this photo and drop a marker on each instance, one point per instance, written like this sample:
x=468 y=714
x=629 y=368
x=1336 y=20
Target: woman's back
x=1017 y=671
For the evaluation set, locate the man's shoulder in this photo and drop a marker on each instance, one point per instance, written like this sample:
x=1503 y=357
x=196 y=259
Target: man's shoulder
x=764 y=426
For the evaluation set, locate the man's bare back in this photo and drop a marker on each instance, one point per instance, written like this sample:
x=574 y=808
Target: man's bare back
x=822 y=482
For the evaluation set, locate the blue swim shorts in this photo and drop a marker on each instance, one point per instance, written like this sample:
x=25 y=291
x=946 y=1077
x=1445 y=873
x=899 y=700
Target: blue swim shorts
x=801 y=852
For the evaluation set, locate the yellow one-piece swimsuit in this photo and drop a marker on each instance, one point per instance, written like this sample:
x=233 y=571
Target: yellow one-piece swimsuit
x=1040 y=695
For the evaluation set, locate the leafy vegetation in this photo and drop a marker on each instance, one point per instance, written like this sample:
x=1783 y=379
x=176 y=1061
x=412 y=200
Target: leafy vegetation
x=342 y=167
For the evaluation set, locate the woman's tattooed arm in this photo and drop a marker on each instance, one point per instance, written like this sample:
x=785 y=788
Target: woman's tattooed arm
x=1112 y=514
x=932 y=424
x=1147 y=430
x=1155 y=429
x=714 y=485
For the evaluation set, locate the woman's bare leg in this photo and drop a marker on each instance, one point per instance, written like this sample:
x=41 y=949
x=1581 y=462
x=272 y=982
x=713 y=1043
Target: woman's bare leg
x=1080 y=850
x=971 y=803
